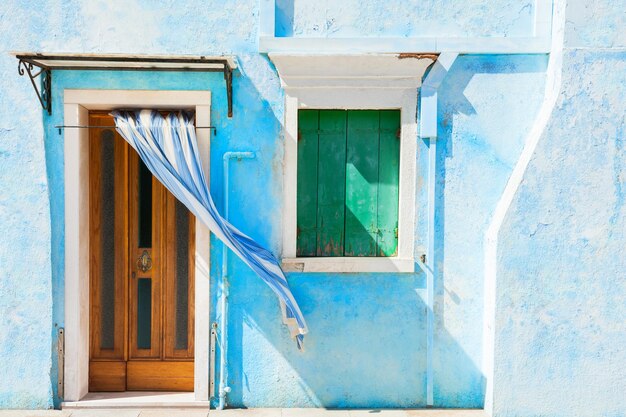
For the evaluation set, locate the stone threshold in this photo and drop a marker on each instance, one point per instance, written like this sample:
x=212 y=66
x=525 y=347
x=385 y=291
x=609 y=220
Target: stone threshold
x=182 y=404
x=136 y=399
x=252 y=412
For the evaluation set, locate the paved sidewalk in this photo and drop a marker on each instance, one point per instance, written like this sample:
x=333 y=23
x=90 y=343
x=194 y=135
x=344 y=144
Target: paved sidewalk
x=259 y=412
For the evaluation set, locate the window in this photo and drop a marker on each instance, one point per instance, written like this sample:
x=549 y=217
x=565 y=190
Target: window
x=348 y=183
x=355 y=84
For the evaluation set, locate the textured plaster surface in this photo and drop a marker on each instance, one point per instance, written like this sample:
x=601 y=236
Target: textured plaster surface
x=366 y=346
x=598 y=24
x=31 y=168
x=412 y=18
x=487 y=104
x=561 y=280
x=560 y=319
x=354 y=356
x=560 y=309
x=25 y=229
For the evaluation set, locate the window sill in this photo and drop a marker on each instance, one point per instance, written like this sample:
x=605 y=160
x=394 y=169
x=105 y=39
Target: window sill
x=348 y=264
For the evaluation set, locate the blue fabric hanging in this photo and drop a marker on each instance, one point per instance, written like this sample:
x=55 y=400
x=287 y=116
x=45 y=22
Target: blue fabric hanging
x=168 y=147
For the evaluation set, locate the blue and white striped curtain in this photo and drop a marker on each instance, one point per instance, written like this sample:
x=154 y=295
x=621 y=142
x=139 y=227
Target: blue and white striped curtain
x=168 y=147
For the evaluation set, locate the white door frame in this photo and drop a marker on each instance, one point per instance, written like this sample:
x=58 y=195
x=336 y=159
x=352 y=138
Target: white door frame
x=77 y=104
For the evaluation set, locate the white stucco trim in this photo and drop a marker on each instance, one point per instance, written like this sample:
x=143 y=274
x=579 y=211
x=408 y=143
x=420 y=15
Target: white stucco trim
x=339 y=82
x=348 y=264
x=552 y=90
x=537 y=42
x=77 y=104
x=76 y=174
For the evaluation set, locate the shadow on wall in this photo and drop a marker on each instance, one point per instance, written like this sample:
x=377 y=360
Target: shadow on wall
x=368 y=331
x=367 y=340
x=366 y=347
x=284 y=18
x=253 y=127
x=479 y=175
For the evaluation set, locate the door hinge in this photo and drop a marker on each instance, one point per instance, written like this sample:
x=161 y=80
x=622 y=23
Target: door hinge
x=61 y=362
x=212 y=342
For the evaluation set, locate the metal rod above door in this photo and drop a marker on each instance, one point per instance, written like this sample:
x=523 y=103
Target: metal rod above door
x=60 y=127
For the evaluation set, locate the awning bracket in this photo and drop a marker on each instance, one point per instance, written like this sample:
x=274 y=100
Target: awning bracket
x=44 y=91
x=228 y=77
x=48 y=62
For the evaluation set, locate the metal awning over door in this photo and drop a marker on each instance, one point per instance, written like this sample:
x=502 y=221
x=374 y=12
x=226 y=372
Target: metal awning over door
x=46 y=62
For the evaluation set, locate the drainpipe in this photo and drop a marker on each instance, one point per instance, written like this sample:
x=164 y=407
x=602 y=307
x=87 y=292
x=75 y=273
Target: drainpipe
x=428 y=132
x=224 y=389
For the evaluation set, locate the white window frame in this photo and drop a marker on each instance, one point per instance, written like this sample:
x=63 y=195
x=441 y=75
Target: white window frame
x=352 y=98
x=77 y=104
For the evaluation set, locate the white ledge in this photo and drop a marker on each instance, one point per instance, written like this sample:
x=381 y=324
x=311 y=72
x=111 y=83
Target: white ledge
x=350 y=71
x=348 y=264
x=330 y=46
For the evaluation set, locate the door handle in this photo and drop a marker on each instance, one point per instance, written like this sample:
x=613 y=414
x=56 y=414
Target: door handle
x=144 y=262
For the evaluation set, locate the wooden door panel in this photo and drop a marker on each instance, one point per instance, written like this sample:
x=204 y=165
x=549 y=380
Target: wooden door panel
x=146 y=243
x=160 y=376
x=107 y=376
x=108 y=229
x=179 y=285
x=141 y=312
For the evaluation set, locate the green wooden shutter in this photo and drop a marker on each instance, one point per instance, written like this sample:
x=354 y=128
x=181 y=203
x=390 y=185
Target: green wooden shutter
x=348 y=174
x=307 y=183
x=331 y=183
x=362 y=183
x=388 y=181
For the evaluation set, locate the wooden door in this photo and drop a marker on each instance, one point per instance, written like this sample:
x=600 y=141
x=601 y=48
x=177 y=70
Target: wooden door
x=141 y=272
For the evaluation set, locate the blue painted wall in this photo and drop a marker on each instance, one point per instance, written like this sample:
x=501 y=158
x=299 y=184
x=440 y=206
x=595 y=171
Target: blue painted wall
x=561 y=282
x=354 y=357
x=559 y=249
x=31 y=164
x=488 y=104
x=411 y=18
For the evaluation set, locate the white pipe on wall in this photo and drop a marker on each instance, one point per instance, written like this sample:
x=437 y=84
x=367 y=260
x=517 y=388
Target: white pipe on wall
x=428 y=131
